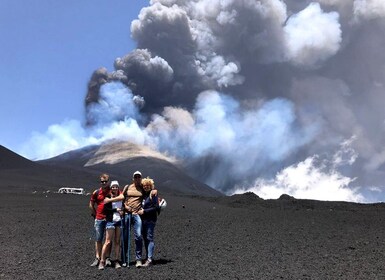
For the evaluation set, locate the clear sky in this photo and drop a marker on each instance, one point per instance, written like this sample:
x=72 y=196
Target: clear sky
x=49 y=50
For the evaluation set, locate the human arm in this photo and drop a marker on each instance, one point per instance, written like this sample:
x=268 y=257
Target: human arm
x=150 y=205
x=117 y=198
x=92 y=208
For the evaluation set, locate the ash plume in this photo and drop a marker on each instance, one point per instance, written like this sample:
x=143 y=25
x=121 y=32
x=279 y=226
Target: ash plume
x=243 y=90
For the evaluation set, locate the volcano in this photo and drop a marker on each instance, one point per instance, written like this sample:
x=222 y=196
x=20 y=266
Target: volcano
x=81 y=168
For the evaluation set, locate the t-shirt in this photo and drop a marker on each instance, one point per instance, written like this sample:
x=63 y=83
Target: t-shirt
x=116 y=215
x=98 y=197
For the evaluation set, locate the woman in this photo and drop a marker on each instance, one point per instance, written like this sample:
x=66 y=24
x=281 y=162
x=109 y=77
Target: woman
x=113 y=212
x=149 y=214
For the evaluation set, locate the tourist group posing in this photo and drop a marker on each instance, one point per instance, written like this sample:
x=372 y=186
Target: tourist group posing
x=115 y=211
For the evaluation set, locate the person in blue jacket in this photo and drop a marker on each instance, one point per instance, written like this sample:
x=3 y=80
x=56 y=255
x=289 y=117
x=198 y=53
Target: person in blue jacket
x=149 y=215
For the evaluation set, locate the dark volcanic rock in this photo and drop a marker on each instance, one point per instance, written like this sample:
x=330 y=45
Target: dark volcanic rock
x=48 y=237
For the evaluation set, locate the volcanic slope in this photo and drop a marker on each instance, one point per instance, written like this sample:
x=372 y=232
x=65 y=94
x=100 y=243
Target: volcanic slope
x=122 y=159
x=19 y=172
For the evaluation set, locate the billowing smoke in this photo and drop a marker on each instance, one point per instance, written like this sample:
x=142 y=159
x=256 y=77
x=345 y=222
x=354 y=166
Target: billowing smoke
x=250 y=95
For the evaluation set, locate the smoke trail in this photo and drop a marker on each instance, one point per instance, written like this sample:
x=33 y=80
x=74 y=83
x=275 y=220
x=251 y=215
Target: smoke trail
x=242 y=90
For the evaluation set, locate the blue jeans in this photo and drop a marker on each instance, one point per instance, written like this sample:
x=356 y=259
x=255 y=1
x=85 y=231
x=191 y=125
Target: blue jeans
x=148 y=228
x=100 y=226
x=136 y=221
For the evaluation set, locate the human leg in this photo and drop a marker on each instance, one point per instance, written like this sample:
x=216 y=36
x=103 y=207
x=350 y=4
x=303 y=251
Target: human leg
x=148 y=235
x=137 y=223
x=99 y=226
x=106 y=247
x=117 y=241
x=144 y=237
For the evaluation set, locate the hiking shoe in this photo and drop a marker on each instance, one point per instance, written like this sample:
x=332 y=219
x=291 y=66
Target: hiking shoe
x=147 y=263
x=138 y=263
x=95 y=262
x=108 y=262
x=101 y=265
x=117 y=265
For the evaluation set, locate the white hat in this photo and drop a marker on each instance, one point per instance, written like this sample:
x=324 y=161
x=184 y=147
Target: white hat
x=137 y=173
x=114 y=183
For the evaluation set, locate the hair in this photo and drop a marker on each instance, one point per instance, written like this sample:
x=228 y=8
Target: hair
x=148 y=181
x=105 y=177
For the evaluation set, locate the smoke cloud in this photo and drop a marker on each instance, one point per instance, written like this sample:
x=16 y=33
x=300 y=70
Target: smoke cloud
x=249 y=95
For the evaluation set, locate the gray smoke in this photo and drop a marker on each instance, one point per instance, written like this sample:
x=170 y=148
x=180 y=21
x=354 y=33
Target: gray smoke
x=243 y=91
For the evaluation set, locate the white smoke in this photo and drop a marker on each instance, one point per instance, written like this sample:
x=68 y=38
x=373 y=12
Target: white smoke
x=312 y=36
x=369 y=9
x=312 y=179
x=116 y=118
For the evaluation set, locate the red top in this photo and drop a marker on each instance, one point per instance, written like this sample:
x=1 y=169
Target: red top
x=99 y=200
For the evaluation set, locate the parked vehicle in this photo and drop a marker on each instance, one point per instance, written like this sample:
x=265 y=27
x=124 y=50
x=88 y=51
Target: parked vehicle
x=72 y=190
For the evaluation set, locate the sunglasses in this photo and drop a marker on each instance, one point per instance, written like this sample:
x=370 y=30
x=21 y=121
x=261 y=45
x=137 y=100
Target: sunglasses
x=103 y=182
x=137 y=176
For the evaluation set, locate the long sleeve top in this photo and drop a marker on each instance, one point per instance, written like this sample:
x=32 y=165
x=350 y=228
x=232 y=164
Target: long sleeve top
x=150 y=208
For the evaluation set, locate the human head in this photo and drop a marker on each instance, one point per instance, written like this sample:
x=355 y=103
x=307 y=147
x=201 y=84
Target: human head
x=148 y=184
x=137 y=177
x=115 y=186
x=105 y=181
x=137 y=173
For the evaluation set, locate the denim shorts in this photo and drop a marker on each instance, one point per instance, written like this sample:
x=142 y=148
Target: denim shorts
x=113 y=225
x=100 y=226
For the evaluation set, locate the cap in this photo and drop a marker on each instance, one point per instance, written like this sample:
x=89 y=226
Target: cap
x=137 y=173
x=114 y=183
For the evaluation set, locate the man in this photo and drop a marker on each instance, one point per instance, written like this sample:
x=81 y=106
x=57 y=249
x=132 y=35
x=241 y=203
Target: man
x=133 y=195
x=97 y=211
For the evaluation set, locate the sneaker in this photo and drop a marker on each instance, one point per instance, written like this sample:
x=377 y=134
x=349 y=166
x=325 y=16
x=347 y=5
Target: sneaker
x=108 y=262
x=117 y=265
x=101 y=265
x=138 y=263
x=96 y=262
x=147 y=263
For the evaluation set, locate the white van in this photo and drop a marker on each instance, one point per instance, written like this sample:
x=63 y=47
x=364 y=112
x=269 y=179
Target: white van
x=72 y=191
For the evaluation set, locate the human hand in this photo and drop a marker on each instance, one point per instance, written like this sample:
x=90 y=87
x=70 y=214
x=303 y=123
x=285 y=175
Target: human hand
x=153 y=193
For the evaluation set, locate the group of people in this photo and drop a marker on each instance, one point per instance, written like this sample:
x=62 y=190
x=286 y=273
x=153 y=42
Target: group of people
x=115 y=211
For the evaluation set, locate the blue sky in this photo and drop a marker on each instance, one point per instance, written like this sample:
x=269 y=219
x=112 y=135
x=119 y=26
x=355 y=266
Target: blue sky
x=49 y=50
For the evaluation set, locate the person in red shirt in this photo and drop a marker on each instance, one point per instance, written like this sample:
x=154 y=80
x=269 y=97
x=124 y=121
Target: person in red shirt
x=97 y=211
x=113 y=211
